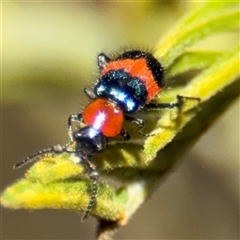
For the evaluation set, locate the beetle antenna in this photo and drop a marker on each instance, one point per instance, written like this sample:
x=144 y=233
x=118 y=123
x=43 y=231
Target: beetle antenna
x=40 y=154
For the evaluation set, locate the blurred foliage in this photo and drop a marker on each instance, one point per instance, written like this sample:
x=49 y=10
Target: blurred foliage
x=53 y=182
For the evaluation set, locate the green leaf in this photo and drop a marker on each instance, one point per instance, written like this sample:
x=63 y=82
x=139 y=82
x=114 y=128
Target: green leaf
x=192 y=60
x=195 y=26
x=222 y=73
x=56 y=182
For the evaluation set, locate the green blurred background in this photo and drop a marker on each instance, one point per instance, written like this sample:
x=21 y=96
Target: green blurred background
x=49 y=54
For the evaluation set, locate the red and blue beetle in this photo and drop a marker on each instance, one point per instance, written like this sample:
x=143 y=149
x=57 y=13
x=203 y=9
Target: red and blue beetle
x=126 y=85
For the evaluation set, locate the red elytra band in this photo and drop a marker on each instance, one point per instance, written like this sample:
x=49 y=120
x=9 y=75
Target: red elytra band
x=136 y=68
